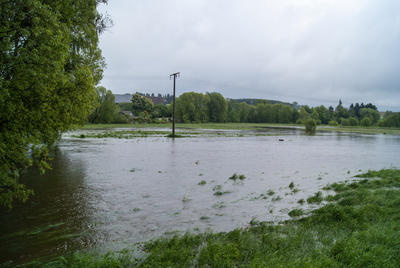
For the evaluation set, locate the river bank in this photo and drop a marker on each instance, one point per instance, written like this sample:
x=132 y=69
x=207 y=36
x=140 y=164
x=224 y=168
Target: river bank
x=358 y=227
x=244 y=126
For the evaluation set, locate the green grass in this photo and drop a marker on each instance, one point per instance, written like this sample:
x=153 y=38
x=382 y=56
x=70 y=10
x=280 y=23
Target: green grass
x=237 y=176
x=359 y=227
x=296 y=212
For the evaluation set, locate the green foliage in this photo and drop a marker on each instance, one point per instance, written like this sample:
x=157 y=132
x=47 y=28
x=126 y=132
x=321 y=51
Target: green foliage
x=110 y=259
x=212 y=107
x=50 y=63
x=160 y=111
x=105 y=107
x=374 y=115
x=270 y=192
x=125 y=106
x=237 y=176
x=141 y=104
x=353 y=121
x=317 y=198
x=217 y=108
x=333 y=123
x=296 y=212
x=344 y=121
x=311 y=125
x=192 y=107
x=340 y=111
x=366 y=122
x=391 y=120
x=323 y=114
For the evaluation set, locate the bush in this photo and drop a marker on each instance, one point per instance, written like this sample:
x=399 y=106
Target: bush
x=311 y=125
x=344 y=122
x=353 y=121
x=392 y=120
x=381 y=123
x=299 y=121
x=333 y=123
x=366 y=122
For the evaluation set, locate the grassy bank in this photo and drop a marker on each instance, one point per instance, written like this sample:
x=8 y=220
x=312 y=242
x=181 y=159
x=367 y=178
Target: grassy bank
x=244 y=126
x=359 y=227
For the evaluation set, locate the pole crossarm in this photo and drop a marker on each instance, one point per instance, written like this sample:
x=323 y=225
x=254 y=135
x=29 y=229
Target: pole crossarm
x=175 y=74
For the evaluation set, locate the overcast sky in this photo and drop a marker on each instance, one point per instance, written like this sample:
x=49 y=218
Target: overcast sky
x=314 y=52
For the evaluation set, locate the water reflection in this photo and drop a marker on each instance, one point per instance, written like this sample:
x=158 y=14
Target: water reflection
x=111 y=193
x=54 y=220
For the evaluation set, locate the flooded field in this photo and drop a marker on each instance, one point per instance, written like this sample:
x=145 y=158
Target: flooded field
x=110 y=193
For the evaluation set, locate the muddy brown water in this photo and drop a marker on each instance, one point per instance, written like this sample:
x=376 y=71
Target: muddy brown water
x=108 y=194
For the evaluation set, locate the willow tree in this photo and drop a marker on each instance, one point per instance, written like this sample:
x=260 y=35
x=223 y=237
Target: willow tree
x=105 y=108
x=49 y=63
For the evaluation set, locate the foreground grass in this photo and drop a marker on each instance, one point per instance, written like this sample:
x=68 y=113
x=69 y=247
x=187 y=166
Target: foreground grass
x=359 y=227
x=244 y=126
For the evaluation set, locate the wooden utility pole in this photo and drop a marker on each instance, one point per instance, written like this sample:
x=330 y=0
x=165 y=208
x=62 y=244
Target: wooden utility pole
x=173 y=105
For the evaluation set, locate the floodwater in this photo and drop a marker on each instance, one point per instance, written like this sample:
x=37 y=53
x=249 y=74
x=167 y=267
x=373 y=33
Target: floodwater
x=108 y=194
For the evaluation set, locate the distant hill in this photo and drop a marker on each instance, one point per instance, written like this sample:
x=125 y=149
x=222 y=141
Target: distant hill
x=253 y=102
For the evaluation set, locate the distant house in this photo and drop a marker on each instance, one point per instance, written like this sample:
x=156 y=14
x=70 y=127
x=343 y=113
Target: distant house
x=122 y=98
x=127 y=98
x=157 y=100
x=129 y=113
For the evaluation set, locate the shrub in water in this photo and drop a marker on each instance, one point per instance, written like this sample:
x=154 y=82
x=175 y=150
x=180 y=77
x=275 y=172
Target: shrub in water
x=311 y=125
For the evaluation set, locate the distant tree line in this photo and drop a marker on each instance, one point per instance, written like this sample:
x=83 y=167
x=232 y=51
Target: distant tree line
x=192 y=107
x=356 y=115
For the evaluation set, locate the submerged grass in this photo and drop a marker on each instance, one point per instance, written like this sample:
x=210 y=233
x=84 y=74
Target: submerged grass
x=246 y=126
x=360 y=227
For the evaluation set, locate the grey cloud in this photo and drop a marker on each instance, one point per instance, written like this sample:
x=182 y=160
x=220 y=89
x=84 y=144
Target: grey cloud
x=313 y=52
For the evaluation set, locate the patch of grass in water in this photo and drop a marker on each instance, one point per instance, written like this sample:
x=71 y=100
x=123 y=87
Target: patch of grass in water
x=296 y=212
x=219 y=205
x=237 y=176
x=217 y=187
x=203 y=182
x=275 y=199
x=317 y=198
x=295 y=190
x=270 y=192
x=222 y=193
